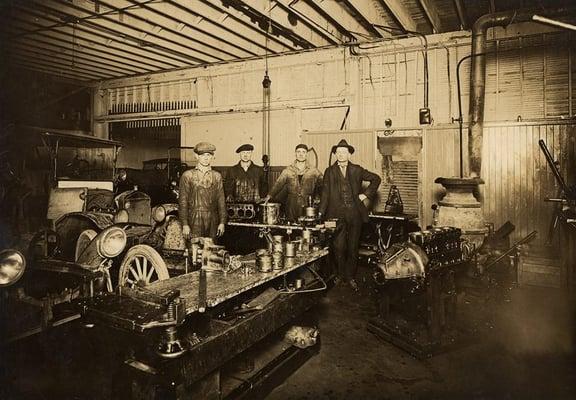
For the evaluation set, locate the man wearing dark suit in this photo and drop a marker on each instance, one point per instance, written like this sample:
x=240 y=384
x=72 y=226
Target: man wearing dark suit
x=343 y=198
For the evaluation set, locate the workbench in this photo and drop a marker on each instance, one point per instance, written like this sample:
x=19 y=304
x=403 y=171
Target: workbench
x=212 y=341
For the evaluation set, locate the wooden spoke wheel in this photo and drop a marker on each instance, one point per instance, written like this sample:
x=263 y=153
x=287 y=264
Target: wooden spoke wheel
x=141 y=266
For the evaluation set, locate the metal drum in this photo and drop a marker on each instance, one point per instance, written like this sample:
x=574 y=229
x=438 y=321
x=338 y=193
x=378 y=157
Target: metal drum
x=269 y=213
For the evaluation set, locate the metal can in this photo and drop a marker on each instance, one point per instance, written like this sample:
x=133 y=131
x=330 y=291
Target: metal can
x=263 y=260
x=277 y=261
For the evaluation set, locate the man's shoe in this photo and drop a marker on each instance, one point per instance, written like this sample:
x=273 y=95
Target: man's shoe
x=354 y=285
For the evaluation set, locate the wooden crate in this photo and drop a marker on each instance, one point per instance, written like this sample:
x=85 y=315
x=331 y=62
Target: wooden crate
x=537 y=270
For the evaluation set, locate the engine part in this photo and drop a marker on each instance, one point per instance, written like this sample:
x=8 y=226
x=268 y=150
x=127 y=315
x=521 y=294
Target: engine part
x=269 y=213
x=401 y=260
x=241 y=211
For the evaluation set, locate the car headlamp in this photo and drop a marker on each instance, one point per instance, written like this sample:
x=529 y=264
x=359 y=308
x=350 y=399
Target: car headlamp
x=159 y=214
x=12 y=266
x=112 y=242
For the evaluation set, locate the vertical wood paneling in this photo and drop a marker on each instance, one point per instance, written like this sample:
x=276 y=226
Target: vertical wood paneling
x=440 y=158
x=517 y=177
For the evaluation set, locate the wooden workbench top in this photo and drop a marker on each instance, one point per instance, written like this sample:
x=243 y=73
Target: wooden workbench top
x=222 y=286
x=276 y=226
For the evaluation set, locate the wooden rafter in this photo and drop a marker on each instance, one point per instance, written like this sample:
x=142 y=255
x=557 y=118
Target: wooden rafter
x=357 y=16
x=88 y=55
x=65 y=59
x=431 y=11
x=141 y=31
x=401 y=14
x=193 y=28
x=230 y=13
x=225 y=25
x=305 y=12
x=80 y=46
x=267 y=11
x=461 y=12
x=91 y=35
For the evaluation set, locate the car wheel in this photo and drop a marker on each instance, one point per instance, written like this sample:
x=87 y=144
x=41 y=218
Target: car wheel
x=141 y=266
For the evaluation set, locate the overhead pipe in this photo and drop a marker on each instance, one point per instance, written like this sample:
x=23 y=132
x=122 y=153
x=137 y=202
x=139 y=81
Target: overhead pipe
x=478 y=73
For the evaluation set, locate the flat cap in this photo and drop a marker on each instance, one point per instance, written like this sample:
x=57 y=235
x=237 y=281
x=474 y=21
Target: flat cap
x=245 y=147
x=204 y=147
x=301 y=146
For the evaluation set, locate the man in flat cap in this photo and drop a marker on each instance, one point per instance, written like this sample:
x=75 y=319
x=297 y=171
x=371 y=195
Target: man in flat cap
x=202 y=207
x=344 y=198
x=300 y=181
x=245 y=182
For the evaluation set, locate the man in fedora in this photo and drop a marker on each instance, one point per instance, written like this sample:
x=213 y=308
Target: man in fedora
x=201 y=204
x=245 y=181
x=343 y=198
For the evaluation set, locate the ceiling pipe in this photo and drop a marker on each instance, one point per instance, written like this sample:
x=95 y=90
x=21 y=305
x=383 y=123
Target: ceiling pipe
x=559 y=24
x=478 y=73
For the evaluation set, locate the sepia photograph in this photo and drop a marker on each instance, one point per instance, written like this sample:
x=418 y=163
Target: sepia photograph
x=287 y=199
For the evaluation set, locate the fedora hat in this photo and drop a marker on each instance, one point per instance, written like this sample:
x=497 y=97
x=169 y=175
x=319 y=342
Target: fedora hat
x=343 y=143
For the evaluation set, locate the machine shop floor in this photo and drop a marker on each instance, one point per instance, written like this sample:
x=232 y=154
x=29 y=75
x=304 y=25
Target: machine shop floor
x=528 y=353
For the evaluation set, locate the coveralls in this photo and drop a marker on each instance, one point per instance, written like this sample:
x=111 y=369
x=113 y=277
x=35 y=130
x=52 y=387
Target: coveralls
x=299 y=184
x=201 y=202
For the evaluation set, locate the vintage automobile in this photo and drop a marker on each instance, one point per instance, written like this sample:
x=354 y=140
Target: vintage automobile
x=91 y=227
x=158 y=177
x=37 y=297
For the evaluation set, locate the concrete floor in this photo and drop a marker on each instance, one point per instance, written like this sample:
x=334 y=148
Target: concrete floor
x=527 y=352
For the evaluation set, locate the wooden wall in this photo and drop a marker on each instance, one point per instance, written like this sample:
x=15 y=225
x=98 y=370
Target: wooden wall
x=321 y=96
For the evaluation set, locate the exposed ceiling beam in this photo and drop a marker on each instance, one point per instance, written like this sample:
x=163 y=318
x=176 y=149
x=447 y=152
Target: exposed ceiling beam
x=224 y=26
x=236 y=15
x=54 y=70
x=117 y=43
x=55 y=74
x=179 y=23
x=59 y=64
x=142 y=32
x=261 y=12
x=431 y=11
x=61 y=51
x=52 y=77
x=47 y=53
x=80 y=46
x=346 y=16
x=367 y=14
x=401 y=14
x=332 y=20
x=309 y=14
x=295 y=17
x=461 y=12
